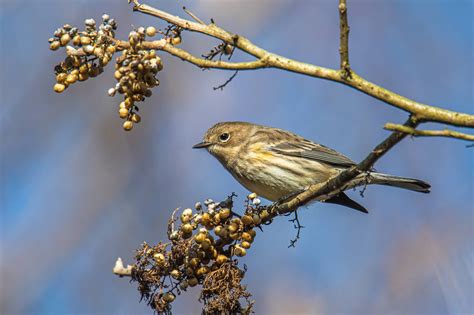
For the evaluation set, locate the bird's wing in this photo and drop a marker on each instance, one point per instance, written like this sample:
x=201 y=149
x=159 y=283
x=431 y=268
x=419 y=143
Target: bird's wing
x=309 y=150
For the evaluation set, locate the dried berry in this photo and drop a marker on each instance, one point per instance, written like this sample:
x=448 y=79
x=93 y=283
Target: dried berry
x=127 y=125
x=150 y=31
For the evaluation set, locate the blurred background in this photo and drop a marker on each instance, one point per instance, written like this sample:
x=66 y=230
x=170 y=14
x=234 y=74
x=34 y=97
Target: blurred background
x=77 y=191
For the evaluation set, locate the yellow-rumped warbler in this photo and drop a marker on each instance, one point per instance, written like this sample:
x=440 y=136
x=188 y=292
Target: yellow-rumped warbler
x=275 y=163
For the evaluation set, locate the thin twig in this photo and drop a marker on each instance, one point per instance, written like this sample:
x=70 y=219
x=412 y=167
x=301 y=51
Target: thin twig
x=193 y=16
x=217 y=50
x=429 y=133
x=171 y=222
x=222 y=86
x=297 y=225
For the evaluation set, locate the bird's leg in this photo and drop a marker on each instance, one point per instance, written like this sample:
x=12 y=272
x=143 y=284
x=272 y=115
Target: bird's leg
x=228 y=203
x=365 y=182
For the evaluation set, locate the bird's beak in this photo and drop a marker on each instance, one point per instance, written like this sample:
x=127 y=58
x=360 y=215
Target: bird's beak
x=201 y=145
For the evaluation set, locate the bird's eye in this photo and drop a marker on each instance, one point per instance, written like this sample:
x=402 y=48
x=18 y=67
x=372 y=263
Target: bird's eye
x=224 y=137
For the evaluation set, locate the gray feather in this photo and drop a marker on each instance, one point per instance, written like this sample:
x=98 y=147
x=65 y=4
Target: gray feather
x=312 y=151
x=400 y=182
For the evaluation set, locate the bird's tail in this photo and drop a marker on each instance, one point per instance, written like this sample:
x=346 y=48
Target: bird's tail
x=400 y=182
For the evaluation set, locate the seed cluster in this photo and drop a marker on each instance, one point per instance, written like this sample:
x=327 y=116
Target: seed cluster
x=90 y=50
x=94 y=50
x=136 y=71
x=203 y=250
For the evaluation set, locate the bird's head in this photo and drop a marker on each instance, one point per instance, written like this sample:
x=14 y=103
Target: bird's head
x=225 y=139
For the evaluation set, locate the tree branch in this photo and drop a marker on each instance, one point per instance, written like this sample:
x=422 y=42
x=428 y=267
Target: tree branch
x=193 y=16
x=423 y=112
x=344 y=39
x=164 y=45
x=223 y=85
x=429 y=133
x=121 y=270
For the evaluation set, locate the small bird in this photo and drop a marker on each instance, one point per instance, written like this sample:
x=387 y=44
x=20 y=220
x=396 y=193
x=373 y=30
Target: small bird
x=276 y=163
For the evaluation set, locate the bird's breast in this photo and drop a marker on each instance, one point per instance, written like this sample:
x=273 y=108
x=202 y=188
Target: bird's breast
x=272 y=175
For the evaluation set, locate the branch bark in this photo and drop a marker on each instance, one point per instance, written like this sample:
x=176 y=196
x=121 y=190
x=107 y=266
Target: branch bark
x=164 y=45
x=429 y=133
x=344 y=40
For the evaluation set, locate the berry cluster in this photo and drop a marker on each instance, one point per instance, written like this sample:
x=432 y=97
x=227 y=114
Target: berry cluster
x=202 y=250
x=95 y=49
x=136 y=71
